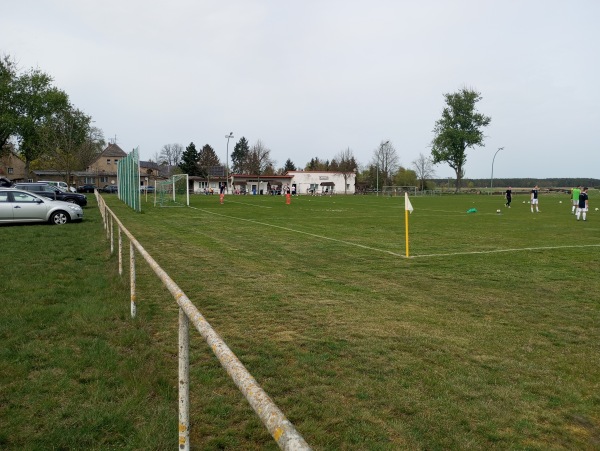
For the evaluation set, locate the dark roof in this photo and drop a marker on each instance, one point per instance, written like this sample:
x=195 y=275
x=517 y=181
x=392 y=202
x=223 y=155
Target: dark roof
x=112 y=150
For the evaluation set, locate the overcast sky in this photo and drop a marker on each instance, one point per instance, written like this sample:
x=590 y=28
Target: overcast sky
x=313 y=77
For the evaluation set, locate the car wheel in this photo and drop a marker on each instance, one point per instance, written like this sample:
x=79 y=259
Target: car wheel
x=59 y=217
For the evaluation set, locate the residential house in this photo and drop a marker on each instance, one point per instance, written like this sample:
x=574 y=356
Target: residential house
x=12 y=167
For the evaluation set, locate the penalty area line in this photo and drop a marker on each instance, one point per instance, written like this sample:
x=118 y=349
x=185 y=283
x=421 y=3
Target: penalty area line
x=301 y=232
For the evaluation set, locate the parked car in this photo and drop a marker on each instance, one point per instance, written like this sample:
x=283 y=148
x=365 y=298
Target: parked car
x=18 y=205
x=110 y=189
x=4 y=182
x=53 y=192
x=147 y=189
x=61 y=185
x=86 y=189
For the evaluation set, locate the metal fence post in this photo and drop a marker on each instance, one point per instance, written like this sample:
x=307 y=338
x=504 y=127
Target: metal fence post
x=132 y=278
x=184 y=381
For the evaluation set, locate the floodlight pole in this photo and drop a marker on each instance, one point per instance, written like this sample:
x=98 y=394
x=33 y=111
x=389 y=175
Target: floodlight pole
x=227 y=163
x=492 y=179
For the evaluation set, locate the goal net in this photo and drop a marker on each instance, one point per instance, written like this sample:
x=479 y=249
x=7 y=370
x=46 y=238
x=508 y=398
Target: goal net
x=393 y=190
x=173 y=192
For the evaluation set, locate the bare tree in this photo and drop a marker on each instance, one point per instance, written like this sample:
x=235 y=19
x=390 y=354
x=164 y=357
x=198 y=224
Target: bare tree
x=386 y=159
x=259 y=159
x=345 y=166
x=423 y=167
x=170 y=154
x=177 y=151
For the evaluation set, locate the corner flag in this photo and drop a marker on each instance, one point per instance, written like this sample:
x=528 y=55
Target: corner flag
x=407 y=208
x=407 y=205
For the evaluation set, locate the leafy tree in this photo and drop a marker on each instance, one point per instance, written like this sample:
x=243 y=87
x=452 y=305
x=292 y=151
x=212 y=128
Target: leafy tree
x=35 y=101
x=459 y=128
x=239 y=156
x=189 y=160
x=423 y=167
x=8 y=113
x=345 y=164
x=405 y=177
x=62 y=139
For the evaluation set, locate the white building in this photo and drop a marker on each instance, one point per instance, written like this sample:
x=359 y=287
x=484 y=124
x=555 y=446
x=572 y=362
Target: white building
x=298 y=182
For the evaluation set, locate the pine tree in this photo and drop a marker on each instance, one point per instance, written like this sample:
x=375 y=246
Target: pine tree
x=189 y=160
x=239 y=157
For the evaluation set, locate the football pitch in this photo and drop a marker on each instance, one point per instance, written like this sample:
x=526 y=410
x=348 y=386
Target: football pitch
x=485 y=337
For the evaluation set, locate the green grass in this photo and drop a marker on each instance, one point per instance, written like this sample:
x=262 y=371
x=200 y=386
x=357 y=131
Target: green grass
x=459 y=347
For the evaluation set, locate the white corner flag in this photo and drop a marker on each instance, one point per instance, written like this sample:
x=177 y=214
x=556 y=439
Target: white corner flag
x=407 y=208
x=407 y=205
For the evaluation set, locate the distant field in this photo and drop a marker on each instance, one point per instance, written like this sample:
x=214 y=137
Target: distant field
x=486 y=338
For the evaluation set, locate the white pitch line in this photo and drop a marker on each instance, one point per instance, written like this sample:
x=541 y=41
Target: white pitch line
x=450 y=254
x=245 y=203
x=303 y=233
x=506 y=250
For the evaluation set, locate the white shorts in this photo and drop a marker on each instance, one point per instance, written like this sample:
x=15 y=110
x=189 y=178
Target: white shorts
x=582 y=209
x=534 y=201
x=576 y=202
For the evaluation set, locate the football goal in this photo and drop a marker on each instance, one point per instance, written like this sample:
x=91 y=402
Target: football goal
x=393 y=190
x=173 y=192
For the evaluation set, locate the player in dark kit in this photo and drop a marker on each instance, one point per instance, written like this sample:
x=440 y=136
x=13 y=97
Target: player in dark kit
x=534 y=199
x=583 y=204
x=508 y=196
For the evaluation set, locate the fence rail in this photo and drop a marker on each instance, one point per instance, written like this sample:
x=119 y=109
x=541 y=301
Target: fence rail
x=280 y=428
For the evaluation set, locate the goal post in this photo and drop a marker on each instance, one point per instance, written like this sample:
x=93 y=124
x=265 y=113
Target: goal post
x=397 y=190
x=173 y=192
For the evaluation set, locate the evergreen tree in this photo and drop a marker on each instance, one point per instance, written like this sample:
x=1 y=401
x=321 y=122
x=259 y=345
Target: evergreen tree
x=239 y=157
x=189 y=160
x=289 y=166
x=207 y=159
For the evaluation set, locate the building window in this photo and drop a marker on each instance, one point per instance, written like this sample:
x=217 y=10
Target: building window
x=103 y=179
x=88 y=180
x=116 y=161
x=10 y=170
x=108 y=161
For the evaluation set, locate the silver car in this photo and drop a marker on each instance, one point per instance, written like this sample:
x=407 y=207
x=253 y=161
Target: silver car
x=24 y=206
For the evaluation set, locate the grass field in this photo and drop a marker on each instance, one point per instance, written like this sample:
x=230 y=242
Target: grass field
x=487 y=338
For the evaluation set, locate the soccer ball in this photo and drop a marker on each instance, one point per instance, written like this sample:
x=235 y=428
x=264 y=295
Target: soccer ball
x=497 y=211
x=523 y=201
x=596 y=209
x=560 y=201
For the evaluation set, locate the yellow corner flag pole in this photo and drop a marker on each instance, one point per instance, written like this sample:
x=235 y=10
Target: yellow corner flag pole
x=408 y=208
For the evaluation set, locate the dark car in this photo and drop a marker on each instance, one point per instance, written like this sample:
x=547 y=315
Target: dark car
x=86 y=188
x=147 y=189
x=110 y=189
x=53 y=192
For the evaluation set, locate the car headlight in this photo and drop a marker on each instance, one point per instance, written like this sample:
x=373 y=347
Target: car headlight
x=75 y=207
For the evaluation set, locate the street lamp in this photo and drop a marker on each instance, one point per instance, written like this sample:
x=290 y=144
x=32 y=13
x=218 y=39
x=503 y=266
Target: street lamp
x=377 y=166
x=227 y=163
x=492 y=179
